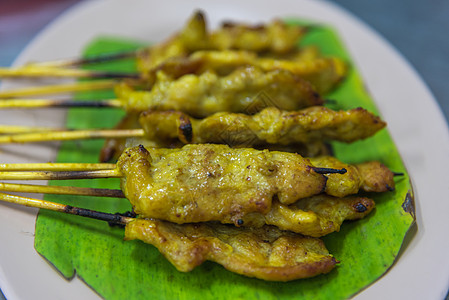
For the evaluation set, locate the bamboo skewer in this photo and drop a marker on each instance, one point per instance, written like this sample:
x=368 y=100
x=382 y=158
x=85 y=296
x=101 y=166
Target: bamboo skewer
x=75 y=62
x=70 y=135
x=31 y=71
x=61 y=175
x=112 y=173
x=56 y=167
x=58 y=103
x=59 y=89
x=60 y=190
x=58 y=171
x=115 y=219
x=14 y=129
x=62 y=171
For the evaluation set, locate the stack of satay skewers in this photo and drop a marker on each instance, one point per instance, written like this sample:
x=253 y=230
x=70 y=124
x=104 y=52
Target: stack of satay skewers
x=213 y=162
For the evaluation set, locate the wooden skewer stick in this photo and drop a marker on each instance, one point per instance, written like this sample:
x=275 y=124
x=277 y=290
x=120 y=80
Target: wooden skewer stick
x=74 y=62
x=70 y=135
x=116 y=219
x=59 y=89
x=62 y=175
x=14 y=129
x=60 y=190
x=31 y=71
x=57 y=103
x=56 y=167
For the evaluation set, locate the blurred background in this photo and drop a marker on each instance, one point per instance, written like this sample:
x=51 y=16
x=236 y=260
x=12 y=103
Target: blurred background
x=415 y=28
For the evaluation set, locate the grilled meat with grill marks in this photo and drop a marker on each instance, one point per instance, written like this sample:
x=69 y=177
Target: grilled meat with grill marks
x=269 y=126
x=266 y=253
x=246 y=89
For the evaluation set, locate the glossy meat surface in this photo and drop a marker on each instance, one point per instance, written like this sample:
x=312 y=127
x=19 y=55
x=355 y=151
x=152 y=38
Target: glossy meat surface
x=315 y=216
x=208 y=182
x=265 y=253
x=269 y=126
x=275 y=37
x=369 y=177
x=246 y=90
x=324 y=73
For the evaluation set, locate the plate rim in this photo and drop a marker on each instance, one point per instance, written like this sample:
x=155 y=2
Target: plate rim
x=349 y=26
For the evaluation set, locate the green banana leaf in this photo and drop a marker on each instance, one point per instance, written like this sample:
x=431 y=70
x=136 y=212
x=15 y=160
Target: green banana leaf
x=116 y=269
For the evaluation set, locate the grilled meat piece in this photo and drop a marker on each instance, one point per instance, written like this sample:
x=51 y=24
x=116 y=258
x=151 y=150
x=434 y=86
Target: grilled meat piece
x=269 y=126
x=208 y=182
x=369 y=176
x=266 y=253
x=244 y=90
x=324 y=73
x=275 y=37
x=315 y=216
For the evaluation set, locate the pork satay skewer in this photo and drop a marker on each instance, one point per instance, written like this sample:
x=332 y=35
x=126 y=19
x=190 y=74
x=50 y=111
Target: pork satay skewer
x=269 y=126
x=260 y=182
x=234 y=248
x=200 y=182
x=275 y=37
x=324 y=73
x=315 y=216
x=245 y=90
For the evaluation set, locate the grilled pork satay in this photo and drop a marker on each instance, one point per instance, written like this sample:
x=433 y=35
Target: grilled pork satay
x=213 y=182
x=265 y=253
x=214 y=187
x=113 y=148
x=315 y=216
x=244 y=90
x=275 y=37
x=269 y=126
x=369 y=177
x=323 y=72
x=303 y=131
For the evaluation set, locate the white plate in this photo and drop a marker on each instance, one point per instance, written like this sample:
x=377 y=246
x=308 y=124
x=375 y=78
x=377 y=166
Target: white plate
x=413 y=117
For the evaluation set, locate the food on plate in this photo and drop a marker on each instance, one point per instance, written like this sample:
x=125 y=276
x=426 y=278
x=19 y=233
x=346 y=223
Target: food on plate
x=256 y=211
x=266 y=253
x=208 y=93
x=209 y=182
x=269 y=126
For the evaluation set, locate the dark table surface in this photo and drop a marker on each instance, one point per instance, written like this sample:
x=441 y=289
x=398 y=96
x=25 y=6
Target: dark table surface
x=415 y=28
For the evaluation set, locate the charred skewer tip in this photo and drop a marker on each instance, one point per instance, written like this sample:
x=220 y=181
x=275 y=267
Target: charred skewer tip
x=329 y=170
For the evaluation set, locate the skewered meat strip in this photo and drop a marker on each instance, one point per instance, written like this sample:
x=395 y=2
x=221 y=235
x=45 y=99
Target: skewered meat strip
x=266 y=253
x=209 y=182
x=113 y=148
x=275 y=37
x=315 y=216
x=269 y=126
x=323 y=72
x=369 y=177
x=244 y=90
